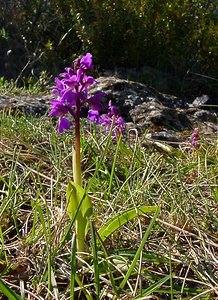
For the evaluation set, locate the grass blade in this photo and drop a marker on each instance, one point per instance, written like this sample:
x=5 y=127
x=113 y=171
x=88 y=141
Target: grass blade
x=136 y=257
x=95 y=260
x=8 y=292
x=153 y=287
x=73 y=266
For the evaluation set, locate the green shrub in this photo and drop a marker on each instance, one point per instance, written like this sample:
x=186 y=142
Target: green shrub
x=36 y=36
x=170 y=34
x=173 y=36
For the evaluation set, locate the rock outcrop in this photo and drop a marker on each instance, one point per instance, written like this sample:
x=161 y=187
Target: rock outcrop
x=141 y=106
x=146 y=109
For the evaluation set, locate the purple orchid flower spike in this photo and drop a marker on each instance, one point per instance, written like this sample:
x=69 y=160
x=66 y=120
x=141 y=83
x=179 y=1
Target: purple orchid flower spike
x=113 y=119
x=72 y=92
x=194 y=139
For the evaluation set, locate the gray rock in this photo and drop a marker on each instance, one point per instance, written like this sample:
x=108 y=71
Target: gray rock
x=148 y=109
x=168 y=136
x=34 y=105
x=137 y=103
x=206 y=116
x=202 y=100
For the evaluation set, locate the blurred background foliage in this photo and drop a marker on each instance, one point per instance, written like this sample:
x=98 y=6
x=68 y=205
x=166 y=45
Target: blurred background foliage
x=179 y=38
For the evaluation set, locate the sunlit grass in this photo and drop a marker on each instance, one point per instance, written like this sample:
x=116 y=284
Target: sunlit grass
x=174 y=254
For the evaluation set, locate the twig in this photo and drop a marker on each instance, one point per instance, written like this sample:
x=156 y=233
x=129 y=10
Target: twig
x=186 y=232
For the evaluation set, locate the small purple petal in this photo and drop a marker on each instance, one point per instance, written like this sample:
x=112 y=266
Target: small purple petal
x=112 y=109
x=86 y=62
x=69 y=73
x=58 y=109
x=71 y=81
x=89 y=80
x=69 y=97
x=79 y=73
x=63 y=124
x=94 y=116
x=94 y=101
x=58 y=87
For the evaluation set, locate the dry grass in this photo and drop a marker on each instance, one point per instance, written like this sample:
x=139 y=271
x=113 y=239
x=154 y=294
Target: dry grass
x=36 y=252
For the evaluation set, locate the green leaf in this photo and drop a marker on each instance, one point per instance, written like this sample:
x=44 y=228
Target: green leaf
x=151 y=289
x=78 y=201
x=80 y=209
x=8 y=292
x=119 y=220
x=95 y=260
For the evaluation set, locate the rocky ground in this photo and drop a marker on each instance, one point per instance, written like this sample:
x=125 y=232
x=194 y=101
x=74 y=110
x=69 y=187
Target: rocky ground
x=163 y=116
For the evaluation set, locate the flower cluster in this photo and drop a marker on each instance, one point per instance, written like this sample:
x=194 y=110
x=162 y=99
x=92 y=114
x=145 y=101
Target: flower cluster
x=194 y=138
x=112 y=119
x=72 y=92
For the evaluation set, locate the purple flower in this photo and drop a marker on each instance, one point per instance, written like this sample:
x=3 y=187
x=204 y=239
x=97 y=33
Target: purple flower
x=72 y=92
x=112 y=109
x=63 y=124
x=88 y=80
x=86 y=62
x=113 y=119
x=194 y=137
x=58 y=87
x=95 y=101
x=59 y=109
x=69 y=73
x=69 y=97
x=116 y=121
x=94 y=116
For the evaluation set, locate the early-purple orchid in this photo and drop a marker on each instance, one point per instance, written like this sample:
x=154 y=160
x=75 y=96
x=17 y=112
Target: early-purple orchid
x=195 y=139
x=72 y=92
x=112 y=118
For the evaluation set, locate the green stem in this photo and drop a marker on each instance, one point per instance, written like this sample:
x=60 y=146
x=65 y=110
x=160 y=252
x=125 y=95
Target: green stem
x=78 y=180
x=76 y=154
x=114 y=165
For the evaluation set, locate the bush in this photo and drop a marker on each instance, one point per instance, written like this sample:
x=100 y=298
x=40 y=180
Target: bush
x=173 y=36
x=36 y=36
x=166 y=33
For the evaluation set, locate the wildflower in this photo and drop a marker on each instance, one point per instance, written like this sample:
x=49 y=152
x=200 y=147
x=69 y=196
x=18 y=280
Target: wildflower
x=72 y=92
x=112 y=118
x=94 y=116
x=86 y=62
x=194 y=137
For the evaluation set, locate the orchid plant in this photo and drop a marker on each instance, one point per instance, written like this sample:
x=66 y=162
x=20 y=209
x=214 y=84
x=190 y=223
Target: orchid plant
x=72 y=92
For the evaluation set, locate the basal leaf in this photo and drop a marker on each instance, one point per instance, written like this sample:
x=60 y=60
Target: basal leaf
x=79 y=204
x=78 y=199
x=112 y=225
